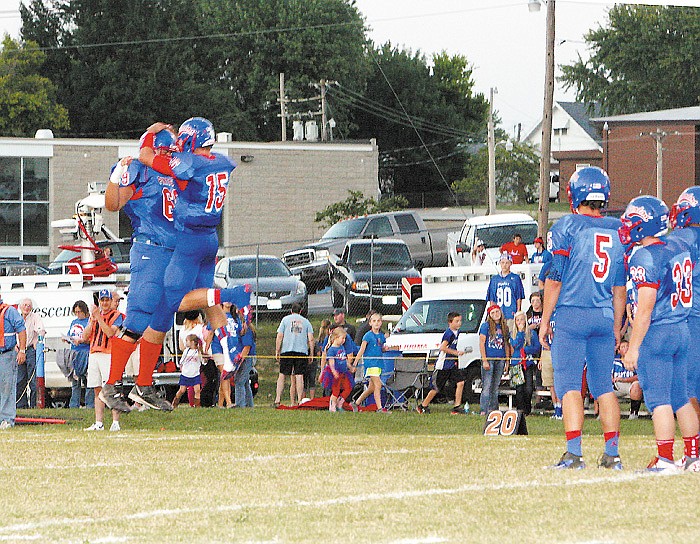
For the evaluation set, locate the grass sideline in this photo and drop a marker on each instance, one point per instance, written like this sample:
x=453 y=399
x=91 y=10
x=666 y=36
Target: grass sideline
x=208 y=475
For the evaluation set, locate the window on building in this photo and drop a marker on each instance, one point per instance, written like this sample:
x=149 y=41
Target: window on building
x=561 y=131
x=24 y=206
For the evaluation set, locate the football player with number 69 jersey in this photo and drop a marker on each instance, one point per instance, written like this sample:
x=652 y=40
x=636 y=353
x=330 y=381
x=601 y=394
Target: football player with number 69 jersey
x=586 y=284
x=661 y=271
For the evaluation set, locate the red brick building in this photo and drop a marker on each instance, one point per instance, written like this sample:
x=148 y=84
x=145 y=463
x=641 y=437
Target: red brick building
x=630 y=152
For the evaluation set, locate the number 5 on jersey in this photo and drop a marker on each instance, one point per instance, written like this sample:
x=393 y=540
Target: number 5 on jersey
x=601 y=268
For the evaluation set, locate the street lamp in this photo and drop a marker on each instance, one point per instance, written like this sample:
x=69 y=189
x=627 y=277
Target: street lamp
x=546 y=147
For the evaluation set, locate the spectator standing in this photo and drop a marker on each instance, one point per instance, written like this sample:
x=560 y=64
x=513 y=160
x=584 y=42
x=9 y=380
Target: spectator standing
x=363 y=329
x=321 y=343
x=243 y=391
x=506 y=289
x=340 y=369
x=447 y=367
x=371 y=354
x=516 y=249
x=541 y=254
x=80 y=351
x=194 y=324
x=294 y=350
x=494 y=349
x=478 y=253
x=13 y=348
x=217 y=352
x=339 y=319
x=103 y=325
x=525 y=345
x=190 y=371
x=26 y=372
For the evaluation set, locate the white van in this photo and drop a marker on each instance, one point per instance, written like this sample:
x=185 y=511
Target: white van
x=453 y=289
x=494 y=231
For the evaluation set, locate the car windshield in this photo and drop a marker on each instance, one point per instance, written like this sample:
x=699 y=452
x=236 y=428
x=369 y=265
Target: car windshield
x=267 y=268
x=20 y=268
x=426 y=316
x=351 y=228
x=380 y=256
x=497 y=235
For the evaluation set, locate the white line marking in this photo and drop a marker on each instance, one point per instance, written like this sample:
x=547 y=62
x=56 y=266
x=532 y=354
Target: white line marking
x=282 y=505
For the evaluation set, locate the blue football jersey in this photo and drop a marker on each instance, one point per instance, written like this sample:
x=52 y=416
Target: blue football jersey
x=667 y=267
x=619 y=370
x=199 y=205
x=151 y=206
x=506 y=291
x=691 y=236
x=594 y=259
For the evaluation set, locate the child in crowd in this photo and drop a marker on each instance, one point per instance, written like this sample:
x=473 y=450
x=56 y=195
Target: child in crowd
x=495 y=349
x=338 y=370
x=525 y=345
x=242 y=390
x=371 y=353
x=191 y=363
x=447 y=367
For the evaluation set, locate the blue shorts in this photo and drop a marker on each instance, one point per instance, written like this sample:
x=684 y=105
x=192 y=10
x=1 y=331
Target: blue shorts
x=583 y=336
x=191 y=267
x=663 y=366
x=694 y=359
x=190 y=382
x=148 y=265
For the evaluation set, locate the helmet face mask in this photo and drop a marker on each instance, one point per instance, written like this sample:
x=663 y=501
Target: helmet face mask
x=644 y=216
x=686 y=211
x=194 y=133
x=590 y=184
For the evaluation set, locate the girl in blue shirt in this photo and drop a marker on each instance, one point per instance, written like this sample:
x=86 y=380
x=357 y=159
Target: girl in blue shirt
x=495 y=348
x=526 y=346
x=371 y=353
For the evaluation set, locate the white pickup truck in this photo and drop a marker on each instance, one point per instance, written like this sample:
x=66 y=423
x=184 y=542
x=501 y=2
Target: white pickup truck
x=453 y=289
x=494 y=231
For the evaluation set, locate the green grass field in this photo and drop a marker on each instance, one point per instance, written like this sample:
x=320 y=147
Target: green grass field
x=264 y=475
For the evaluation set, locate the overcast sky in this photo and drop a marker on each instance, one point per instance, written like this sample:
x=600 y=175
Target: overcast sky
x=504 y=41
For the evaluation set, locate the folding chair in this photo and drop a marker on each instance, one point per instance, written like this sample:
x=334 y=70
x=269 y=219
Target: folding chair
x=411 y=377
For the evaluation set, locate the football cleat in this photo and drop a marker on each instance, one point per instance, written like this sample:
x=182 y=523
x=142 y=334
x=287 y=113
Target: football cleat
x=113 y=398
x=570 y=461
x=148 y=396
x=660 y=465
x=612 y=462
x=688 y=464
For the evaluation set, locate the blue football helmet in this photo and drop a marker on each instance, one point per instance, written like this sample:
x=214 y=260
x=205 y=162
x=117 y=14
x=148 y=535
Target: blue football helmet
x=644 y=216
x=589 y=183
x=163 y=141
x=195 y=132
x=686 y=211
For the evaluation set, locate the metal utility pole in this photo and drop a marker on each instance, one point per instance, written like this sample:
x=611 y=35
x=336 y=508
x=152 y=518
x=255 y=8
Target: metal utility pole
x=283 y=108
x=324 y=122
x=546 y=149
x=491 y=143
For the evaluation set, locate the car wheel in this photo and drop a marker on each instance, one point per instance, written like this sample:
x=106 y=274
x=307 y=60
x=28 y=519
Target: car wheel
x=472 y=382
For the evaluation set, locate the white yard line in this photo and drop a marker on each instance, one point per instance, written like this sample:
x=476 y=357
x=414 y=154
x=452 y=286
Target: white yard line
x=283 y=505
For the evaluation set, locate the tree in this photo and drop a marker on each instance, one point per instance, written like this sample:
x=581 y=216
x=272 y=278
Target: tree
x=27 y=100
x=356 y=204
x=517 y=176
x=417 y=114
x=646 y=59
x=122 y=64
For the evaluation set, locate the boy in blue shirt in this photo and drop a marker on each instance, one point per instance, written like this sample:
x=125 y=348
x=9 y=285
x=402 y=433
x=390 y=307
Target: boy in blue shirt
x=447 y=367
x=506 y=289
